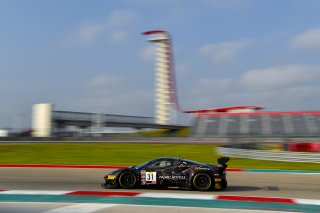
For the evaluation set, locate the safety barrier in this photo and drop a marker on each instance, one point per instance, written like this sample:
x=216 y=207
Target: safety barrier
x=270 y=155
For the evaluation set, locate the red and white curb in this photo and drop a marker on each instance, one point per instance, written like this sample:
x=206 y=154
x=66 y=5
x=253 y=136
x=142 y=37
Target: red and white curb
x=165 y=195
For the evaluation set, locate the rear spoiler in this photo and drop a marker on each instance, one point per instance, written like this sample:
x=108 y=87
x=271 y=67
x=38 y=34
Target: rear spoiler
x=223 y=161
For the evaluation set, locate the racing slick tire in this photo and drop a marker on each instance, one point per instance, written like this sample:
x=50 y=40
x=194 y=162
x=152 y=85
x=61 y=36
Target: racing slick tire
x=127 y=180
x=202 y=181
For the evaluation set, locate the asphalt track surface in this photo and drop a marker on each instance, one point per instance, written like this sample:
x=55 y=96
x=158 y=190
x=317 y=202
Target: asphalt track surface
x=306 y=186
x=268 y=184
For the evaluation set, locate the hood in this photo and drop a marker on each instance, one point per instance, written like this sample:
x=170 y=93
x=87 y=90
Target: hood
x=115 y=172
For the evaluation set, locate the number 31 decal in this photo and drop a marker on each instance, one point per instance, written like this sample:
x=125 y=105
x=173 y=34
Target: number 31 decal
x=151 y=177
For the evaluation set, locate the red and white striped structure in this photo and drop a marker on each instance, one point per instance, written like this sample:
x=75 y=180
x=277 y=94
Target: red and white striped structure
x=166 y=92
x=165 y=82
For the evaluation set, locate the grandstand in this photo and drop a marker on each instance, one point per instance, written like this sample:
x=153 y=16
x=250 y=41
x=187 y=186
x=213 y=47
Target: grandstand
x=238 y=121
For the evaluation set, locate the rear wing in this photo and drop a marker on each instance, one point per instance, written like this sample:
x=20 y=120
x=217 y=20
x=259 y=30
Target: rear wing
x=223 y=161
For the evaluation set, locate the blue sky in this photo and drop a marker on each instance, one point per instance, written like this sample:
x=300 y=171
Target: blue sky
x=90 y=55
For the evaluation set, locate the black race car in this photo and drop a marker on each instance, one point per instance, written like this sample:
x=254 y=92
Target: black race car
x=169 y=172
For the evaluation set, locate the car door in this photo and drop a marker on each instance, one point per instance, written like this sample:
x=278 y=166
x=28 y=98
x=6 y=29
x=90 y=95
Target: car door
x=158 y=173
x=180 y=173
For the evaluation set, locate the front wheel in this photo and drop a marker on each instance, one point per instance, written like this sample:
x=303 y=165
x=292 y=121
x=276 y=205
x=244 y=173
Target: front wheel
x=202 y=182
x=127 y=180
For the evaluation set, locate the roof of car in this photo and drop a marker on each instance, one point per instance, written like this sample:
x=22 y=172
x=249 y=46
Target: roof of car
x=172 y=158
x=175 y=158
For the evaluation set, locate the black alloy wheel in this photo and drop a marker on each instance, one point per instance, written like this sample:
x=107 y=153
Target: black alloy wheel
x=127 y=180
x=202 y=182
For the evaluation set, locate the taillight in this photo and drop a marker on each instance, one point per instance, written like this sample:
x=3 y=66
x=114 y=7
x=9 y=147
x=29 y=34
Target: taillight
x=217 y=169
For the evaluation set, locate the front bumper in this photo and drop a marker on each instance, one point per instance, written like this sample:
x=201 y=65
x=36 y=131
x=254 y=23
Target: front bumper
x=110 y=182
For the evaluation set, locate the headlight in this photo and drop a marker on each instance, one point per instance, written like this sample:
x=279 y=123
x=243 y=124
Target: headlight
x=110 y=177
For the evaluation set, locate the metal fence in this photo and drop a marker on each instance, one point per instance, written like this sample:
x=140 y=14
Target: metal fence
x=270 y=155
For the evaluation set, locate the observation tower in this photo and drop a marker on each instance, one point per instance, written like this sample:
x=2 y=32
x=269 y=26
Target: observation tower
x=164 y=80
x=166 y=97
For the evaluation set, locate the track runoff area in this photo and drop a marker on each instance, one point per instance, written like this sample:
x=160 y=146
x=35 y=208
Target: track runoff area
x=70 y=188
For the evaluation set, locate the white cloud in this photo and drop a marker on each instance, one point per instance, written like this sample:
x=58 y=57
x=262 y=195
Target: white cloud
x=104 y=80
x=287 y=87
x=307 y=40
x=280 y=77
x=109 y=93
x=112 y=28
x=222 y=84
x=230 y=4
x=147 y=53
x=209 y=92
x=121 y=18
x=220 y=52
x=117 y=37
x=88 y=32
x=133 y=102
x=183 y=69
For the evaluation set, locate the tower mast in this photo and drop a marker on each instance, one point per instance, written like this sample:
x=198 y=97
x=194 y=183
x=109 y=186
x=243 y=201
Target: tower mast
x=163 y=93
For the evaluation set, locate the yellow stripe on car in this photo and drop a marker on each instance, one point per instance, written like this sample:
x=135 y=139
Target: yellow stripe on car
x=217 y=179
x=217 y=185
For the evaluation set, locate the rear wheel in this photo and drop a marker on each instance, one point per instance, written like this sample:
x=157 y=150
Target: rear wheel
x=202 y=182
x=127 y=180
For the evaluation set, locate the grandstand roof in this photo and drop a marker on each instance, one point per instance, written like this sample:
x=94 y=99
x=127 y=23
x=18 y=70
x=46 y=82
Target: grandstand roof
x=316 y=112
x=224 y=109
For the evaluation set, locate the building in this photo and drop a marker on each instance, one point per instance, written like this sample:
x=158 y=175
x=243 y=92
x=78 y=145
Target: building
x=47 y=122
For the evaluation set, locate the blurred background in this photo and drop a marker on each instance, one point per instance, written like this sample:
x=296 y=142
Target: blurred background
x=248 y=70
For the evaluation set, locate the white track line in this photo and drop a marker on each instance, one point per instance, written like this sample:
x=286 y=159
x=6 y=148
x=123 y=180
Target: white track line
x=34 y=192
x=73 y=207
x=83 y=208
x=179 y=196
x=199 y=209
x=307 y=201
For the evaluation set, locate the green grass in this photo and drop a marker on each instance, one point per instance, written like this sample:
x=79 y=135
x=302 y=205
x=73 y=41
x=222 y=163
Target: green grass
x=126 y=154
x=184 y=132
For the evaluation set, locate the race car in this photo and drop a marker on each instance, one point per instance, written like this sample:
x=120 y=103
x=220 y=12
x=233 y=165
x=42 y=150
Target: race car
x=170 y=172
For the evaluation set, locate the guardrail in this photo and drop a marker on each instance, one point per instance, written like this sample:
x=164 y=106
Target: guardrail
x=270 y=155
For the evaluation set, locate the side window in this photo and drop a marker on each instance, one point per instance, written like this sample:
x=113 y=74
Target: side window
x=160 y=164
x=176 y=163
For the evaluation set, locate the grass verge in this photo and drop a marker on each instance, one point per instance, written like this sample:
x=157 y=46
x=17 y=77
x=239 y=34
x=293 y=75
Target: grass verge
x=127 y=154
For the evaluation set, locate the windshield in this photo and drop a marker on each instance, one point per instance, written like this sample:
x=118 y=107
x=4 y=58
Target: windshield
x=142 y=165
x=189 y=162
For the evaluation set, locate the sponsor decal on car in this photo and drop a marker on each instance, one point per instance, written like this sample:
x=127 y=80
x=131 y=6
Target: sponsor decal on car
x=151 y=177
x=143 y=177
x=172 y=177
x=201 y=168
x=148 y=177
